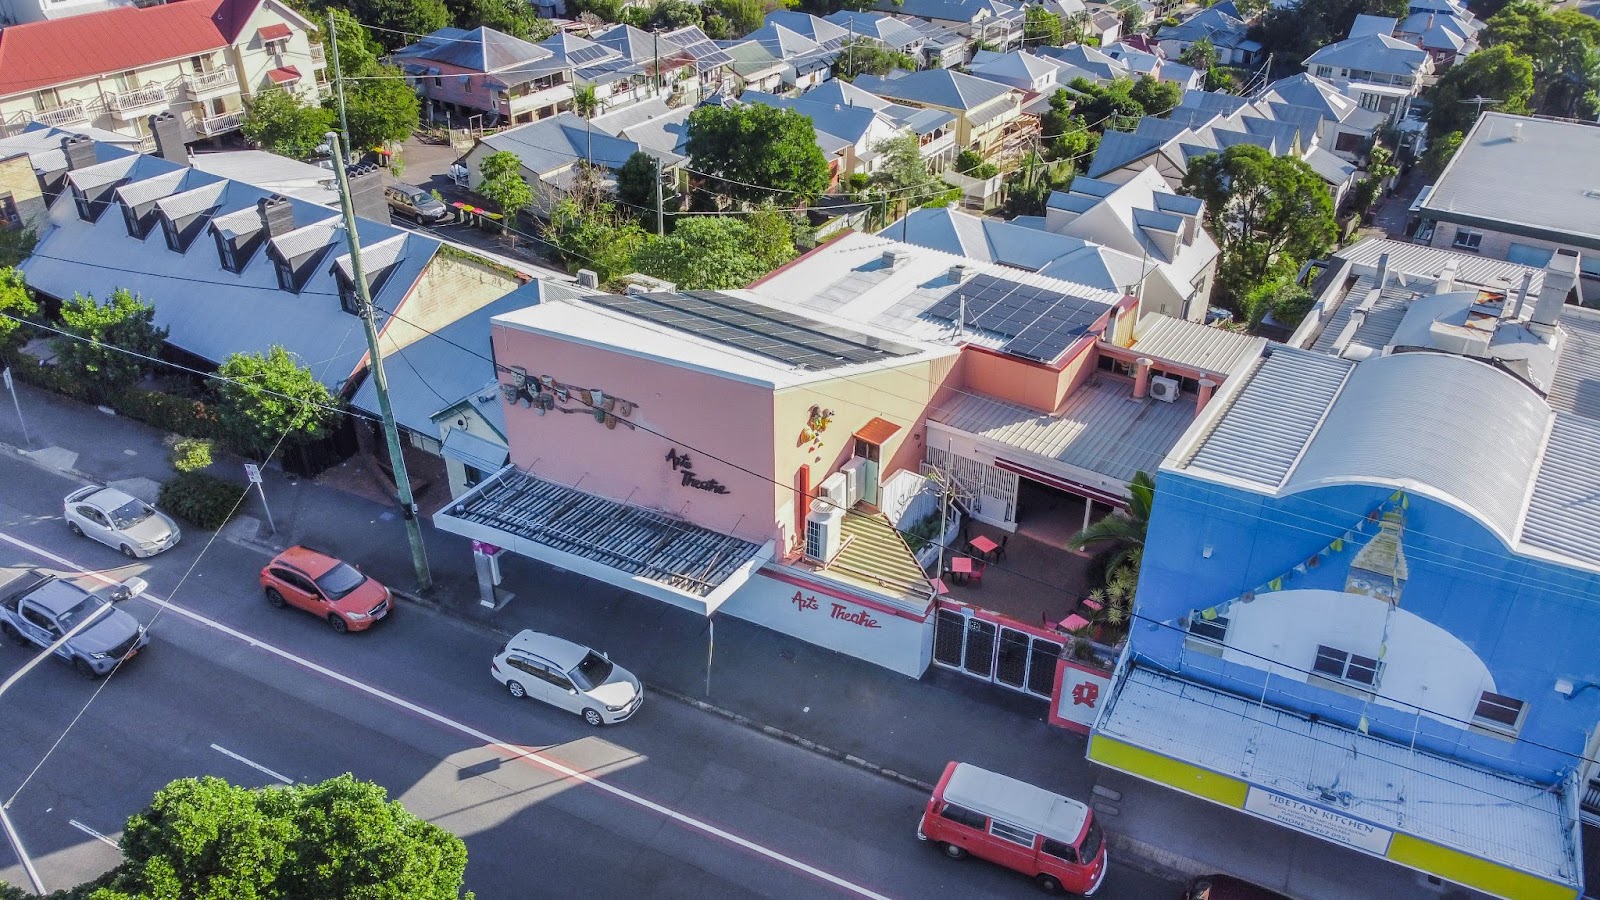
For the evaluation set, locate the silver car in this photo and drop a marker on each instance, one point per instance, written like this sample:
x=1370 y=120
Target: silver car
x=120 y=521
x=569 y=676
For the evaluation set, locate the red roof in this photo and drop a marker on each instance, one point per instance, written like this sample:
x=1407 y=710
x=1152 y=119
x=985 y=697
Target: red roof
x=277 y=31
x=284 y=75
x=61 y=51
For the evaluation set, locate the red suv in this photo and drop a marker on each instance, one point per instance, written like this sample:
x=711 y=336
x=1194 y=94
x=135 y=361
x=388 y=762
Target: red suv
x=327 y=587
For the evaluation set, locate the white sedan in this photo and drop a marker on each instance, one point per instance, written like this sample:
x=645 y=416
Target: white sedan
x=120 y=521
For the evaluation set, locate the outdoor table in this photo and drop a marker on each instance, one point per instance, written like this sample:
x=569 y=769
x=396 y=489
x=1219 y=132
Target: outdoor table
x=983 y=545
x=1073 y=623
x=961 y=567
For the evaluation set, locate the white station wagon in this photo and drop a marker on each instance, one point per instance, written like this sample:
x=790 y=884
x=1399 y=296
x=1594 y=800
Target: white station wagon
x=569 y=676
x=120 y=521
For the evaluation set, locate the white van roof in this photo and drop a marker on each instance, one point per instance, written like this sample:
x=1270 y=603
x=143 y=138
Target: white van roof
x=1016 y=802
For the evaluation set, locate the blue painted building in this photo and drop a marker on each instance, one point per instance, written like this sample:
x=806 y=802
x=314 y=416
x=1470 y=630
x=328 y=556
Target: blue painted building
x=1371 y=584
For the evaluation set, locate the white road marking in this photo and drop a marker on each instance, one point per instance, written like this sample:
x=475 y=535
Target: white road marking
x=532 y=756
x=92 y=833
x=254 y=765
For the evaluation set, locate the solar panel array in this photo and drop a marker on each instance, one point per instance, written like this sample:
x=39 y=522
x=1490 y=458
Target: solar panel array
x=705 y=52
x=583 y=55
x=1038 y=322
x=758 y=329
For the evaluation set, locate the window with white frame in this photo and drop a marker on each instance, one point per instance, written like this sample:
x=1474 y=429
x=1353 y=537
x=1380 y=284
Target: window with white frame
x=1500 y=713
x=1342 y=665
x=1467 y=239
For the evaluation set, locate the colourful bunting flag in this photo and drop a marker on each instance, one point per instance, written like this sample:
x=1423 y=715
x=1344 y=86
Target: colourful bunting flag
x=1337 y=546
x=1275 y=584
x=1208 y=614
x=1361 y=726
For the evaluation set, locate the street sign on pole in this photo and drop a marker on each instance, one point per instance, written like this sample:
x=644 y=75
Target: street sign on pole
x=5 y=375
x=253 y=472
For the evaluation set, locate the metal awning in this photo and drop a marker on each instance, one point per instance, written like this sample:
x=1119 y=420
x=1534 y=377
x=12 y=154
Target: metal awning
x=878 y=430
x=643 y=550
x=1488 y=830
x=285 y=75
x=275 y=32
x=480 y=453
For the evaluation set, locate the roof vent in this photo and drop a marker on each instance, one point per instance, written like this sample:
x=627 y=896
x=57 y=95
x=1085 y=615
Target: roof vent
x=588 y=278
x=893 y=257
x=1516 y=132
x=958 y=273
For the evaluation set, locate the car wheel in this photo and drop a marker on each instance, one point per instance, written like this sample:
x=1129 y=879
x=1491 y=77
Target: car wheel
x=1048 y=883
x=75 y=528
x=15 y=635
x=954 y=852
x=338 y=623
x=128 y=551
x=274 y=599
x=516 y=689
x=592 y=716
x=83 y=668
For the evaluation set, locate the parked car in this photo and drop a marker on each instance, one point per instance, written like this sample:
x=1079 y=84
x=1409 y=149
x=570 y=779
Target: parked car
x=120 y=521
x=569 y=676
x=416 y=204
x=1227 y=887
x=327 y=587
x=38 y=608
x=1051 y=838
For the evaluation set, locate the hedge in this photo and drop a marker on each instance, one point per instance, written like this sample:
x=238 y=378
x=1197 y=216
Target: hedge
x=180 y=415
x=200 y=499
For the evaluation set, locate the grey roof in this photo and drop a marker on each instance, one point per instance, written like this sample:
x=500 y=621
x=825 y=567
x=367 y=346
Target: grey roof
x=482 y=49
x=569 y=49
x=826 y=33
x=375 y=258
x=1370 y=435
x=110 y=172
x=1101 y=428
x=192 y=201
x=706 y=54
x=1372 y=53
x=1192 y=344
x=946 y=10
x=937 y=87
x=1376 y=327
x=310 y=237
x=42 y=143
x=884 y=28
x=1328 y=167
x=642 y=542
x=1118 y=148
x=1576 y=385
x=1268 y=419
x=1545 y=185
x=1564 y=510
x=155 y=187
x=850 y=123
x=549 y=145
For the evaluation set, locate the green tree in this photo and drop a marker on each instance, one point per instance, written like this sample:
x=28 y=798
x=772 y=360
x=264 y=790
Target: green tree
x=399 y=22
x=205 y=839
x=1263 y=210
x=517 y=18
x=743 y=16
x=380 y=108
x=703 y=253
x=113 y=344
x=751 y=152
x=1066 y=136
x=1440 y=152
x=1121 y=103
x=504 y=185
x=1200 y=55
x=358 y=53
x=971 y=163
x=1287 y=301
x=1040 y=27
x=264 y=397
x=276 y=120
x=864 y=56
x=1563 y=47
x=1497 y=73
x=773 y=235
x=1380 y=168
x=902 y=172
x=1123 y=532
x=15 y=300
x=597 y=237
x=1028 y=188
x=1156 y=96
x=636 y=187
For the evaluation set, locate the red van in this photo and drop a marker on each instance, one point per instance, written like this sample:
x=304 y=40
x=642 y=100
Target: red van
x=1005 y=821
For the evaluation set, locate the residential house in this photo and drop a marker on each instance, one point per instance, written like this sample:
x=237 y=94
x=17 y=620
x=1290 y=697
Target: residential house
x=550 y=151
x=688 y=65
x=1085 y=62
x=1020 y=69
x=988 y=22
x=19 y=12
x=882 y=29
x=1380 y=538
x=1346 y=128
x=806 y=62
x=825 y=33
x=935 y=128
x=989 y=116
x=1154 y=63
x=656 y=127
x=712 y=65
x=1546 y=195
x=848 y=135
x=234 y=268
x=1379 y=72
x=623 y=64
x=943 y=46
x=485 y=76
x=33 y=167
x=1228 y=34
x=200 y=60
x=1444 y=28
x=756 y=69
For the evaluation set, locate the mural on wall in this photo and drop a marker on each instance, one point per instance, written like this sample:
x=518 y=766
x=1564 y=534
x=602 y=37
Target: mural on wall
x=816 y=423
x=542 y=393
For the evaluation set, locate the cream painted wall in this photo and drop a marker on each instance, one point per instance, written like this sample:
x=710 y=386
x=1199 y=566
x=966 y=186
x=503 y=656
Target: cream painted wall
x=1424 y=665
x=449 y=288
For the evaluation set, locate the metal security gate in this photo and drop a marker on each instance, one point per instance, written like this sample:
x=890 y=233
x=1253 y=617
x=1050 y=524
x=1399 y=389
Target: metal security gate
x=993 y=648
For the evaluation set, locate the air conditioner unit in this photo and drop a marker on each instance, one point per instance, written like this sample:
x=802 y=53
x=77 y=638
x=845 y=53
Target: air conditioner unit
x=856 y=472
x=835 y=489
x=1163 y=388
x=822 y=531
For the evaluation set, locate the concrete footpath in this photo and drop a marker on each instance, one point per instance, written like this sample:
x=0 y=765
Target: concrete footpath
x=830 y=703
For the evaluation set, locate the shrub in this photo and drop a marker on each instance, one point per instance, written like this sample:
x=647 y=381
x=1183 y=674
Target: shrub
x=201 y=499
x=191 y=454
x=180 y=415
x=51 y=378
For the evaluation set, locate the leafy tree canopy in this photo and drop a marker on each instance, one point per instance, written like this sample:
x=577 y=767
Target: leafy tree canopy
x=864 y=56
x=379 y=109
x=1564 y=49
x=1440 y=151
x=1496 y=73
x=753 y=151
x=205 y=839
x=636 y=187
x=398 y=22
x=15 y=300
x=1123 y=102
x=1294 y=31
x=1040 y=27
x=277 y=121
x=1066 y=136
x=1264 y=211
x=517 y=18
x=703 y=253
x=265 y=397
x=106 y=337
x=599 y=237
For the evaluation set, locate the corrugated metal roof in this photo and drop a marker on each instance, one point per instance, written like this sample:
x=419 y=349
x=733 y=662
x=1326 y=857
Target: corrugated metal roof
x=1564 y=512
x=1266 y=424
x=1193 y=344
x=1513 y=822
x=1576 y=385
x=1428 y=262
x=1412 y=420
x=1100 y=429
x=1380 y=324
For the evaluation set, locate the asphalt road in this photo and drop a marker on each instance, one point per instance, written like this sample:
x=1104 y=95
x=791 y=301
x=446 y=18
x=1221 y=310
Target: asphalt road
x=673 y=803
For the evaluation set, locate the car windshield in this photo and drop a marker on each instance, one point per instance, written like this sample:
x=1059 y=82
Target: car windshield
x=83 y=610
x=592 y=672
x=340 y=580
x=1091 y=844
x=130 y=514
